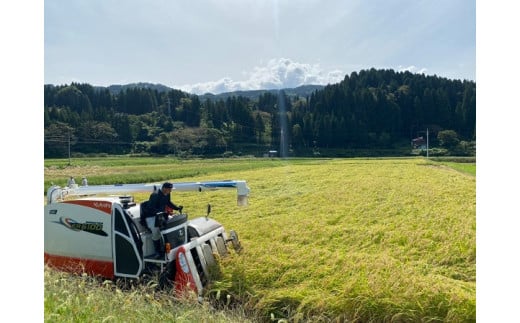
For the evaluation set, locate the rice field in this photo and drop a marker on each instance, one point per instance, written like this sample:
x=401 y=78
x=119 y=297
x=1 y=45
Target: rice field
x=363 y=240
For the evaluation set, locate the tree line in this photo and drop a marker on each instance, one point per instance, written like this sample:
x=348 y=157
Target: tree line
x=369 y=109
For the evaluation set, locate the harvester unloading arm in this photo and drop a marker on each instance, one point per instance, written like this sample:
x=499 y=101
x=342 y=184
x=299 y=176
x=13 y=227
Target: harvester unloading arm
x=56 y=193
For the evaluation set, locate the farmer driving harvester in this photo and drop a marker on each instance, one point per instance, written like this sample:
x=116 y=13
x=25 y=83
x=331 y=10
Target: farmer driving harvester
x=157 y=209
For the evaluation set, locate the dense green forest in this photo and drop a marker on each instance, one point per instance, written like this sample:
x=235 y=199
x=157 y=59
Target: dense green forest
x=370 y=110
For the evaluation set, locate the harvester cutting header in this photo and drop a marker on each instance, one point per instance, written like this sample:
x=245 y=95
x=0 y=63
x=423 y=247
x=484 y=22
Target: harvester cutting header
x=100 y=230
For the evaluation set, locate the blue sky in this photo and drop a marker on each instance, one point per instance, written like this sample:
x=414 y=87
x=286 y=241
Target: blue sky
x=224 y=45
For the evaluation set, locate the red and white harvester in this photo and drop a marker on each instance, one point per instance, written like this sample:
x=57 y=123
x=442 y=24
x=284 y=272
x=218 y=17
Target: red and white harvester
x=97 y=230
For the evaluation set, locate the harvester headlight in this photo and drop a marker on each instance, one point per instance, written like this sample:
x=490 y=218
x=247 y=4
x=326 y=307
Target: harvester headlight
x=183 y=263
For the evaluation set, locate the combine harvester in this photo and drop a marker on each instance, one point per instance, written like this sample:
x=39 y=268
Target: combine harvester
x=97 y=230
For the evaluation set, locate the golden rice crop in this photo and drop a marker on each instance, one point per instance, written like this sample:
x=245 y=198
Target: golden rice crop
x=360 y=240
x=348 y=239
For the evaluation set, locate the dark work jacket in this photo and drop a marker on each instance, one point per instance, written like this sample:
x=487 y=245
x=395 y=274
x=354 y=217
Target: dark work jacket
x=158 y=202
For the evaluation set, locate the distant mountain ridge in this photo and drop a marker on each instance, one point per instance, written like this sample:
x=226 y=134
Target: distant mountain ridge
x=116 y=88
x=302 y=91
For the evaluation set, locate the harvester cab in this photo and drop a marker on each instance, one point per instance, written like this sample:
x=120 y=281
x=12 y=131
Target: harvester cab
x=88 y=231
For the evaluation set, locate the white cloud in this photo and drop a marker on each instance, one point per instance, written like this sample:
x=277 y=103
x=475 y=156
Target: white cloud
x=276 y=74
x=412 y=69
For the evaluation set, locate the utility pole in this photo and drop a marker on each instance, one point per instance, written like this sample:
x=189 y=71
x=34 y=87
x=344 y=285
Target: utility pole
x=69 y=150
x=427 y=143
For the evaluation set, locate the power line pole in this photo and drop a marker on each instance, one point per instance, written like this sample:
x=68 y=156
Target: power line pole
x=69 y=149
x=427 y=143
